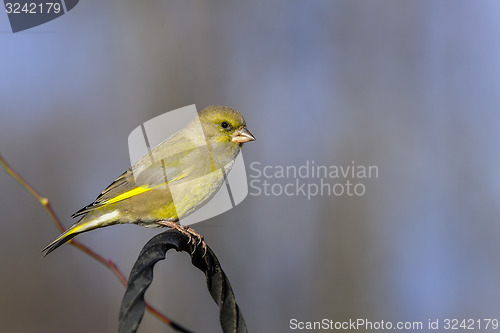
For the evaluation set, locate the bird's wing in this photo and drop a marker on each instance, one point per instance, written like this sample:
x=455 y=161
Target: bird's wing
x=168 y=162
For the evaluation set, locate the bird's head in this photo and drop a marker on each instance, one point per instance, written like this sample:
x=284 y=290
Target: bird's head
x=222 y=124
x=225 y=133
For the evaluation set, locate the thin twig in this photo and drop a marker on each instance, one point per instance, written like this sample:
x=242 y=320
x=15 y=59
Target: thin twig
x=106 y=262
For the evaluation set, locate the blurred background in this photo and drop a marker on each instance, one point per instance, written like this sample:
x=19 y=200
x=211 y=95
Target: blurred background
x=408 y=86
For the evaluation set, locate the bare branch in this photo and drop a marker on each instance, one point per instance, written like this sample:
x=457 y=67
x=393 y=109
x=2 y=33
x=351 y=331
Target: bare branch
x=106 y=262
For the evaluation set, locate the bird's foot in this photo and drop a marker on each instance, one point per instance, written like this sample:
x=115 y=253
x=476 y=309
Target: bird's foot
x=194 y=238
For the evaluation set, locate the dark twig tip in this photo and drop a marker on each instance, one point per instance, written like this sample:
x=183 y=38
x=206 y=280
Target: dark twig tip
x=203 y=258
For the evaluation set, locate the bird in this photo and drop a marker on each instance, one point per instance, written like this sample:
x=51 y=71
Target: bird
x=171 y=181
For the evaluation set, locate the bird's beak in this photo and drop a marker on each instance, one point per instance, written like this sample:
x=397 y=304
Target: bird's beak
x=242 y=135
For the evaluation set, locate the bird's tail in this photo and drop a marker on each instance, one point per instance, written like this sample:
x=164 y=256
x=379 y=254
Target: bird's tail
x=75 y=229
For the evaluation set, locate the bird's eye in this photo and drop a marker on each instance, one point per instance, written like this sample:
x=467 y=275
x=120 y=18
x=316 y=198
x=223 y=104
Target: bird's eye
x=224 y=124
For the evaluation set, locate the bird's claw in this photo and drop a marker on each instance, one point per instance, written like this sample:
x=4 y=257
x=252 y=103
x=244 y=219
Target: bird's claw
x=195 y=238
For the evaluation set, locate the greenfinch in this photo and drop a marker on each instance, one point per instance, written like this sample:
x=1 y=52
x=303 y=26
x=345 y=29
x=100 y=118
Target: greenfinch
x=170 y=182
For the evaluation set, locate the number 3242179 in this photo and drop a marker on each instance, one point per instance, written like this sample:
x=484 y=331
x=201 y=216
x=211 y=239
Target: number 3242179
x=32 y=8
x=470 y=324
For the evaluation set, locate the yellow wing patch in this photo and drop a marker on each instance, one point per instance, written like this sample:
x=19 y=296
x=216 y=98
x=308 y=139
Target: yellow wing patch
x=128 y=194
x=138 y=190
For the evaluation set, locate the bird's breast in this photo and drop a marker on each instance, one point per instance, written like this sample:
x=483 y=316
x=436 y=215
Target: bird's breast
x=190 y=194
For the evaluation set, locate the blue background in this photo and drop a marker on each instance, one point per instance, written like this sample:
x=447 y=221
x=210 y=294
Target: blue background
x=409 y=86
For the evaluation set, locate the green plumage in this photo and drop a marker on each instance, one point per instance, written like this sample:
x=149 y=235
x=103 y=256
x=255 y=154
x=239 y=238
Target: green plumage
x=177 y=177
